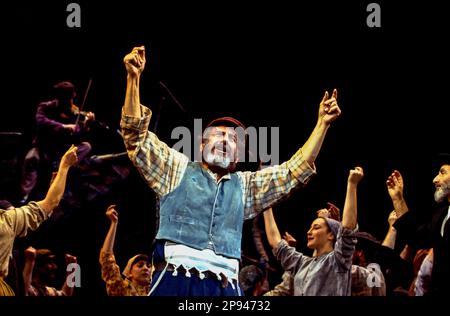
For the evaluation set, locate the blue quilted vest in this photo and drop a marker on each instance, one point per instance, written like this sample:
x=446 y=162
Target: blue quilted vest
x=202 y=213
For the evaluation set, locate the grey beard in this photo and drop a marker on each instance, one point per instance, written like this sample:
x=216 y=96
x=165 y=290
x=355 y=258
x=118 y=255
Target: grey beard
x=441 y=193
x=218 y=161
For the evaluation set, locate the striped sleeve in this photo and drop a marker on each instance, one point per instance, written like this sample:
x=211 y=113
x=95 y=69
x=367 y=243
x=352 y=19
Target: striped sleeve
x=266 y=187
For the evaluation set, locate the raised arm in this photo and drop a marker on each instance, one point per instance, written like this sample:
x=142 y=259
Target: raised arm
x=134 y=64
x=108 y=244
x=391 y=236
x=273 y=234
x=161 y=166
x=266 y=187
x=289 y=258
x=328 y=112
x=67 y=290
x=395 y=187
x=27 y=273
x=349 y=217
x=110 y=270
x=56 y=190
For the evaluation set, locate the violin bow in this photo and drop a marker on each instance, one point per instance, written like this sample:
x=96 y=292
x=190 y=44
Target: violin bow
x=84 y=101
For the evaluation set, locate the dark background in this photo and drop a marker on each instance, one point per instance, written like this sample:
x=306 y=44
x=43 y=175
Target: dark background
x=265 y=64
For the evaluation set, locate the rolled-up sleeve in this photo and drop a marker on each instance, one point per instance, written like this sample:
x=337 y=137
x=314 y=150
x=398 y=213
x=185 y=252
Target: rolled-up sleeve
x=345 y=247
x=161 y=166
x=266 y=187
x=115 y=285
x=289 y=258
x=25 y=218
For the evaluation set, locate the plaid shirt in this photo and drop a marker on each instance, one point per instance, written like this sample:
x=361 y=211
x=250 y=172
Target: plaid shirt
x=163 y=167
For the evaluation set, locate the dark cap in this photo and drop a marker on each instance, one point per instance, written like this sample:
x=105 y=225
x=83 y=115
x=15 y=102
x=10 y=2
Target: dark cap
x=226 y=121
x=374 y=250
x=366 y=237
x=442 y=159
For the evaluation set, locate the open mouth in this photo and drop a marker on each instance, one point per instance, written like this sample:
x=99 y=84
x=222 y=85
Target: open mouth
x=221 y=148
x=220 y=152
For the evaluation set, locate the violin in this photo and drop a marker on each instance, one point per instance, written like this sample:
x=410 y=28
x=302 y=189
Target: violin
x=76 y=111
x=84 y=114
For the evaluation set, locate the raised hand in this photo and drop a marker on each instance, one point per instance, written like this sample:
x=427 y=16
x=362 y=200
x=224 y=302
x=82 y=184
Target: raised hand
x=335 y=212
x=355 y=175
x=112 y=214
x=135 y=61
x=323 y=212
x=395 y=185
x=70 y=157
x=290 y=239
x=70 y=259
x=392 y=218
x=30 y=253
x=329 y=109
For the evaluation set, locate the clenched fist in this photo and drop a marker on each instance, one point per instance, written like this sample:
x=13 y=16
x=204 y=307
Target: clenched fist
x=112 y=214
x=356 y=175
x=70 y=157
x=135 y=61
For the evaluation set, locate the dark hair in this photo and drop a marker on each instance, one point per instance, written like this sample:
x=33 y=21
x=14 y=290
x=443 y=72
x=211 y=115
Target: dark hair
x=44 y=256
x=441 y=159
x=249 y=277
x=64 y=90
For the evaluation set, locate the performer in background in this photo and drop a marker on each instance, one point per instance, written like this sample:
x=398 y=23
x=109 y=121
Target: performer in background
x=18 y=221
x=59 y=124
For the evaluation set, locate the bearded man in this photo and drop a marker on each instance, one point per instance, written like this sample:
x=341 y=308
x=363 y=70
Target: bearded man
x=435 y=233
x=203 y=204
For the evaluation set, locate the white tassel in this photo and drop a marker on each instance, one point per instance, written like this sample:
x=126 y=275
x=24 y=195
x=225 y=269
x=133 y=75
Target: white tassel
x=201 y=275
x=188 y=274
